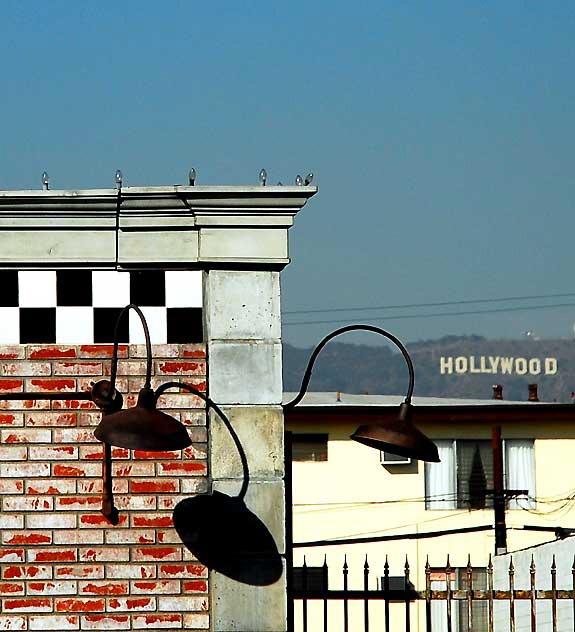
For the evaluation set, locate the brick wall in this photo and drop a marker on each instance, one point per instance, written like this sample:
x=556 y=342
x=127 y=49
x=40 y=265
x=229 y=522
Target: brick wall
x=63 y=566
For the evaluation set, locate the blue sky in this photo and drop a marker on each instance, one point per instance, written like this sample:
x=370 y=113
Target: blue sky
x=441 y=135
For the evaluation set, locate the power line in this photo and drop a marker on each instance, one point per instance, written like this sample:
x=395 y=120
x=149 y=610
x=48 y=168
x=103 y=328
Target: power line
x=435 y=304
x=432 y=315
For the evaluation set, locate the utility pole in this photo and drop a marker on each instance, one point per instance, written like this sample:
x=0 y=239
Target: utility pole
x=499 y=493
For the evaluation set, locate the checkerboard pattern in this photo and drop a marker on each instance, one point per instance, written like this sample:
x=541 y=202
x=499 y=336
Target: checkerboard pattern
x=82 y=306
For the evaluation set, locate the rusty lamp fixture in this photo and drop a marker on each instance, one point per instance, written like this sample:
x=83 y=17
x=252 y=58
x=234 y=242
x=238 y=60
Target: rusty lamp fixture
x=398 y=436
x=142 y=427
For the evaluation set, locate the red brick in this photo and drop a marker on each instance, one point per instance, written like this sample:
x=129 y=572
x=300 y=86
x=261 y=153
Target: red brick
x=27 y=435
x=78 y=502
x=131 y=571
x=103 y=588
x=11 y=419
x=50 y=385
x=81 y=571
x=28 y=605
x=51 y=419
x=11 y=555
x=26 y=537
x=12 y=623
x=77 y=368
x=96 y=453
x=11 y=521
x=45 y=352
x=24 y=369
x=11 y=386
x=195 y=585
x=98 y=520
x=80 y=605
x=95 y=486
x=72 y=404
x=166 y=553
x=143 y=454
x=51 y=520
x=74 y=435
x=179 y=367
x=12 y=454
x=196 y=621
x=130 y=536
x=11 y=486
x=131 y=604
x=61 y=452
x=27 y=572
x=52 y=588
x=54 y=622
x=11 y=588
x=129 y=367
x=193 y=351
x=27 y=470
x=193 y=418
x=182 y=469
x=89 y=418
x=106 y=622
x=80 y=469
x=180 y=400
x=157 y=621
x=52 y=555
x=136 y=502
x=27 y=503
x=158 y=351
x=24 y=404
x=79 y=536
x=12 y=352
x=104 y=554
x=168 y=537
x=102 y=351
x=52 y=486
x=182 y=571
x=160 y=587
x=182 y=604
x=133 y=469
x=154 y=487
x=152 y=520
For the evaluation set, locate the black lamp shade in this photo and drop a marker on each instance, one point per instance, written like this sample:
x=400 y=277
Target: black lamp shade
x=398 y=436
x=143 y=427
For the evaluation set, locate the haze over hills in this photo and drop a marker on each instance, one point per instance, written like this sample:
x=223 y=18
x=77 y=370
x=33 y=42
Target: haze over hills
x=452 y=366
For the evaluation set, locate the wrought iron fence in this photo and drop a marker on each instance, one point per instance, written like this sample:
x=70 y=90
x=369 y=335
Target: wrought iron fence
x=464 y=599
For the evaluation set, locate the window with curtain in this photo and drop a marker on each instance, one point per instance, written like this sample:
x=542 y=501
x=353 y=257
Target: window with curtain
x=463 y=478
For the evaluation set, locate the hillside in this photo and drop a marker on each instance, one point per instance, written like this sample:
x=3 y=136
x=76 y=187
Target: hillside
x=471 y=365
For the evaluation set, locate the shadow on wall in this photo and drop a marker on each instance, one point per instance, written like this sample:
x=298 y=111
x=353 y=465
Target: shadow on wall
x=227 y=537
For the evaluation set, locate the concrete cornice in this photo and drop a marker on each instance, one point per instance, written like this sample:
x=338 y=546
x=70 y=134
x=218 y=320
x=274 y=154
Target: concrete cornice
x=168 y=226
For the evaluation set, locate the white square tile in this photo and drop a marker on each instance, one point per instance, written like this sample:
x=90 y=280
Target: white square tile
x=74 y=325
x=9 y=325
x=37 y=288
x=157 y=324
x=184 y=288
x=110 y=288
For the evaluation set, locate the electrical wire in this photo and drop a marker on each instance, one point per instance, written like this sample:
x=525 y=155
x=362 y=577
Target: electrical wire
x=434 y=304
x=432 y=314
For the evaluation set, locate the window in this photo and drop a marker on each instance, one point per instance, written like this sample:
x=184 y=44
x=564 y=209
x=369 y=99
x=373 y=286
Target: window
x=313 y=578
x=309 y=447
x=464 y=477
x=458 y=581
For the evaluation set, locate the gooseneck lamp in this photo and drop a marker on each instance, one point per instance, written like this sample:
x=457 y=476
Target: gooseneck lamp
x=144 y=427
x=398 y=436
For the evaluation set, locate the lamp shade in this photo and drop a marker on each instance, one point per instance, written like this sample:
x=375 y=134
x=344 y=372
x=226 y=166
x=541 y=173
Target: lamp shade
x=398 y=436
x=143 y=427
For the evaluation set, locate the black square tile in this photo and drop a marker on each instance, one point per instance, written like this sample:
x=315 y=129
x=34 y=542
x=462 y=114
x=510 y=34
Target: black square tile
x=9 y=285
x=74 y=287
x=37 y=325
x=184 y=324
x=148 y=287
x=105 y=325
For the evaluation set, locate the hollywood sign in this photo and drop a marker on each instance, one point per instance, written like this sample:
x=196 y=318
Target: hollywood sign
x=497 y=364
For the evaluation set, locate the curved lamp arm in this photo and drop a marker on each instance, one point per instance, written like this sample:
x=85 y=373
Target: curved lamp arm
x=211 y=404
x=114 y=368
x=337 y=332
